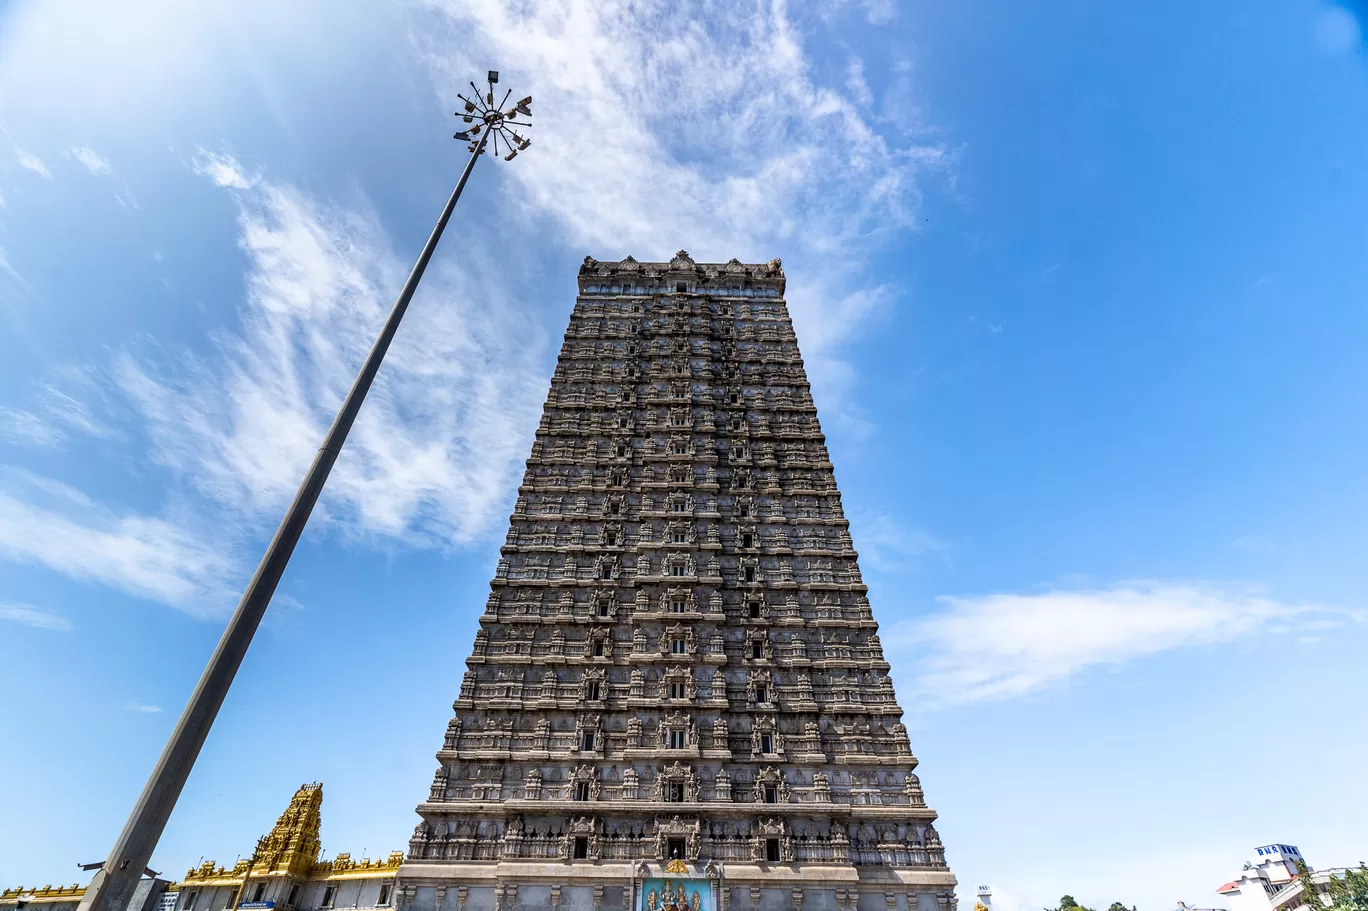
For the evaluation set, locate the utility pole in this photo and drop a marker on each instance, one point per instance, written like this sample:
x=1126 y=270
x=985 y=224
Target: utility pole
x=113 y=885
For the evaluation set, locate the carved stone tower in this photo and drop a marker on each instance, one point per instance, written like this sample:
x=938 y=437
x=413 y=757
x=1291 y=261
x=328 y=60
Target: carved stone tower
x=677 y=670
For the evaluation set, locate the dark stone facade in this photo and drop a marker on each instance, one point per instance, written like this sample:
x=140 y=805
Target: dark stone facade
x=677 y=659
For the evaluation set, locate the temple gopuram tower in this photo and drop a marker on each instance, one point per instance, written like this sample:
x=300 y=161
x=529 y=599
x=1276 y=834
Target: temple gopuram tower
x=677 y=699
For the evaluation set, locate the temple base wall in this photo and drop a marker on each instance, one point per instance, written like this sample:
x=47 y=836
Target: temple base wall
x=554 y=886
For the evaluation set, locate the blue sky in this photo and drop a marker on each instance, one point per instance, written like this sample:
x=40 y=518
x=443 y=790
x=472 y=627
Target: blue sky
x=1079 y=285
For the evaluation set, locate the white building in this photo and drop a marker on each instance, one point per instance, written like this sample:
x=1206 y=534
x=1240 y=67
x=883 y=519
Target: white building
x=1269 y=881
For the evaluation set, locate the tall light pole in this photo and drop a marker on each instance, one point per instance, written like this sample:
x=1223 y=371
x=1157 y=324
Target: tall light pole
x=117 y=877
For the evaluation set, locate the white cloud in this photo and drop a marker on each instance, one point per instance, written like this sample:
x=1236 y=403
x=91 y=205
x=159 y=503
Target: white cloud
x=93 y=161
x=1006 y=645
x=855 y=82
x=74 y=413
x=435 y=449
x=660 y=126
x=887 y=545
x=51 y=524
x=663 y=125
x=36 y=617
x=222 y=169
x=143 y=708
x=9 y=270
x=34 y=164
x=432 y=456
x=26 y=428
x=62 y=413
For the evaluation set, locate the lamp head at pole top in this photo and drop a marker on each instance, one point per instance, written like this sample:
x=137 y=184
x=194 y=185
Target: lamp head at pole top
x=494 y=123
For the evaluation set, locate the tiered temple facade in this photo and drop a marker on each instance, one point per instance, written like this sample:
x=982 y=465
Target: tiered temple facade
x=285 y=872
x=677 y=672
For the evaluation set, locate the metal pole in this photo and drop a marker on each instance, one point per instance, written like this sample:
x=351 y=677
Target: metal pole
x=247 y=877
x=113 y=885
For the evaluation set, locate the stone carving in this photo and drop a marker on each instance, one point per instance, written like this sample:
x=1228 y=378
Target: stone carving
x=678 y=532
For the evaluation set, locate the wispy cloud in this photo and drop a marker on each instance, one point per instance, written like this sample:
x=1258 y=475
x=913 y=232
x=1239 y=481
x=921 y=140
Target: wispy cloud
x=855 y=82
x=59 y=415
x=722 y=141
x=665 y=124
x=434 y=450
x=142 y=708
x=7 y=269
x=887 y=545
x=222 y=169
x=34 y=164
x=432 y=456
x=1006 y=645
x=54 y=525
x=28 y=615
x=26 y=428
x=94 y=162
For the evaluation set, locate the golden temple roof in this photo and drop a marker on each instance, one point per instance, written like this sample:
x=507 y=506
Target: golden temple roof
x=291 y=848
x=48 y=893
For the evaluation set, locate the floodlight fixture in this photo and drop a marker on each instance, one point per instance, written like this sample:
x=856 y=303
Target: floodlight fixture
x=494 y=122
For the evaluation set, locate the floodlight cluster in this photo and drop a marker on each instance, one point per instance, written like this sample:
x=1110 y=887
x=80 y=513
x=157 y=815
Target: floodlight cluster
x=494 y=122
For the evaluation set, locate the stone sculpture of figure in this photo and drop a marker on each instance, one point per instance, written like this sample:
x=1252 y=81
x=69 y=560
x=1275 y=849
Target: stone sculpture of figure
x=652 y=899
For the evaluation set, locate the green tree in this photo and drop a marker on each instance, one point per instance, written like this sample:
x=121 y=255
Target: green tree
x=1311 y=897
x=1067 y=903
x=1350 y=891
